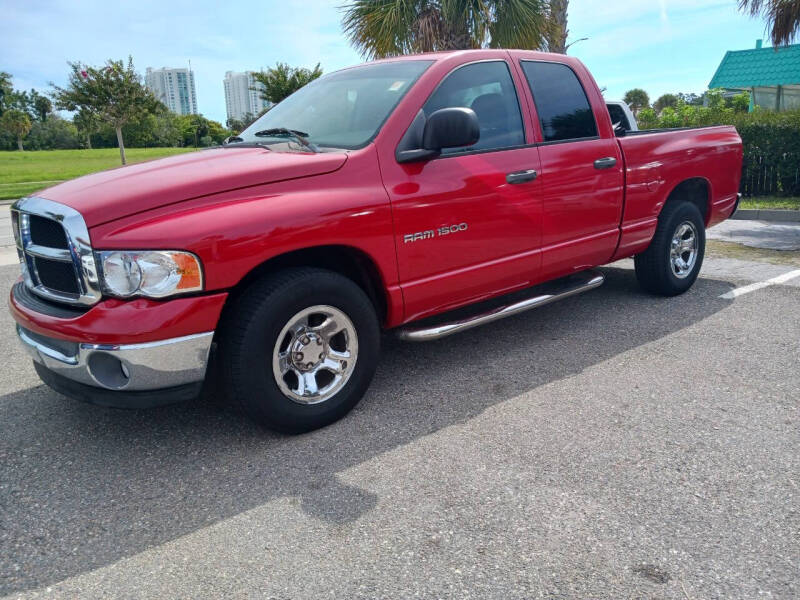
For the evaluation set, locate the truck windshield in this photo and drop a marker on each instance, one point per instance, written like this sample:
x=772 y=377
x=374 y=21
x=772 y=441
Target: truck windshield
x=344 y=109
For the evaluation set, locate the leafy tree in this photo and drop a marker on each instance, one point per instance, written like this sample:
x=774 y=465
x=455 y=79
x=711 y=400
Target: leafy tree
x=740 y=102
x=6 y=89
x=691 y=99
x=380 y=28
x=17 y=123
x=113 y=92
x=87 y=123
x=40 y=105
x=53 y=134
x=637 y=99
x=282 y=80
x=196 y=130
x=664 y=101
x=236 y=126
x=782 y=17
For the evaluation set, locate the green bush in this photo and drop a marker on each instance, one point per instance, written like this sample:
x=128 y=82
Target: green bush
x=771 y=140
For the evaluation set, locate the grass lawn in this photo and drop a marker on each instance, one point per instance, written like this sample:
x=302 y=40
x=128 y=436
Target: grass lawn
x=24 y=172
x=771 y=202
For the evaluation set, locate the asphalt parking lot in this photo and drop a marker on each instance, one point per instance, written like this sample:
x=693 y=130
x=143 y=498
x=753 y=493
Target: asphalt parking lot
x=613 y=445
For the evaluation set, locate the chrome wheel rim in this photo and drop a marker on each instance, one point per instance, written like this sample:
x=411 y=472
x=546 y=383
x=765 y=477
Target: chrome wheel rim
x=315 y=354
x=683 y=250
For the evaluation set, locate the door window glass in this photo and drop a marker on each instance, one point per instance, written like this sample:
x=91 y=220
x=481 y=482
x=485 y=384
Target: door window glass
x=561 y=101
x=486 y=88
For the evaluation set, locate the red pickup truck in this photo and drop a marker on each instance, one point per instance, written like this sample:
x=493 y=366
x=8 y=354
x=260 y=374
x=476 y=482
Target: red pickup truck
x=425 y=194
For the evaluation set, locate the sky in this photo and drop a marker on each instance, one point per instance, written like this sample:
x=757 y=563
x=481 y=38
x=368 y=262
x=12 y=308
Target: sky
x=659 y=45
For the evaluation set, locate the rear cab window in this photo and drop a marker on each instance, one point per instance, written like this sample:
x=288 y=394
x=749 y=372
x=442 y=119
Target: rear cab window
x=561 y=102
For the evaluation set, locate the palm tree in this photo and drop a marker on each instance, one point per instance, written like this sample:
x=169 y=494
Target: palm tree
x=17 y=123
x=782 y=16
x=557 y=39
x=380 y=28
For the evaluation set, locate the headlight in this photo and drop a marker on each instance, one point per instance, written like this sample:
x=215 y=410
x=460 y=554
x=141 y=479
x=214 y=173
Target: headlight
x=151 y=273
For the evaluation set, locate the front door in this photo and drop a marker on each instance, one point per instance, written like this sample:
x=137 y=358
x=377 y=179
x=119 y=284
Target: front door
x=468 y=223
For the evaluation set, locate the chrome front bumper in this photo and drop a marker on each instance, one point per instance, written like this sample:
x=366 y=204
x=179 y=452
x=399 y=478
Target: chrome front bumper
x=124 y=367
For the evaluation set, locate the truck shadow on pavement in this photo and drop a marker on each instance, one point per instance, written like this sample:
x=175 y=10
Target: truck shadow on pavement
x=83 y=486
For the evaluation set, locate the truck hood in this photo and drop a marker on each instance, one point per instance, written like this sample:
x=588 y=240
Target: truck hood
x=109 y=195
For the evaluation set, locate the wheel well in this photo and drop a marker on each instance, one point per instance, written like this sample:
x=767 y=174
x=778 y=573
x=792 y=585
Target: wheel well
x=696 y=191
x=345 y=260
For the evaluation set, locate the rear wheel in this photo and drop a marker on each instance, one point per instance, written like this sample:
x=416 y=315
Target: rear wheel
x=299 y=349
x=672 y=262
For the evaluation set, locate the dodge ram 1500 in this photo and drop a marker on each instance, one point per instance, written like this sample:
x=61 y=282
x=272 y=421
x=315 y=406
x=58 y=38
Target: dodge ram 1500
x=425 y=194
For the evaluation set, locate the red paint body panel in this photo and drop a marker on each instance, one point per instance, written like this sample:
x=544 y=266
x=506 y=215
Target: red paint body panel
x=109 y=195
x=128 y=322
x=239 y=207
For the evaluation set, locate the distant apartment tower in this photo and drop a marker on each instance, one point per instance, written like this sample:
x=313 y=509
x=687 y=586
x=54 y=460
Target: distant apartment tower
x=241 y=95
x=174 y=87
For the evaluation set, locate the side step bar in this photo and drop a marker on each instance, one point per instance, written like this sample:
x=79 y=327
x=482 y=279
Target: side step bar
x=545 y=294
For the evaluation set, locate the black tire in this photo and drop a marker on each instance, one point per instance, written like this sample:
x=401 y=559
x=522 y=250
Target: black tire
x=654 y=267
x=250 y=333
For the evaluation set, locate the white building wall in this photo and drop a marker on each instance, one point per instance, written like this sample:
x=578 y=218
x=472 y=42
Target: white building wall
x=240 y=99
x=174 y=87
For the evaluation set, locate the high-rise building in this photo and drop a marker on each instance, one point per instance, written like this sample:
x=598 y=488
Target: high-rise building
x=174 y=87
x=242 y=95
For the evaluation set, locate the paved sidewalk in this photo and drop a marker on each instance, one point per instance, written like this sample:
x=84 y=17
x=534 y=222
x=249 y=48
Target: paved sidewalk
x=758 y=234
x=8 y=254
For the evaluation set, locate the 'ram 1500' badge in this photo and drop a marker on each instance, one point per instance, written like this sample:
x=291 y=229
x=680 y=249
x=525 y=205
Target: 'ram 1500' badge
x=433 y=233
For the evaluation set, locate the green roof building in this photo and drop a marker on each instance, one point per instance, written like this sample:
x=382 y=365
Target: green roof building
x=771 y=75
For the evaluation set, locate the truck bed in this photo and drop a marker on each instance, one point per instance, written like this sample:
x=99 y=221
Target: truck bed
x=656 y=161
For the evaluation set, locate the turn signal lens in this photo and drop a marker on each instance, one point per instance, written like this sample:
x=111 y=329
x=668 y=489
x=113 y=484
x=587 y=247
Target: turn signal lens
x=151 y=273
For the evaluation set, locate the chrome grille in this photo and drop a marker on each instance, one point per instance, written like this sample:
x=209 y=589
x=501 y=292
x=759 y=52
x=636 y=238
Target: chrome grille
x=55 y=251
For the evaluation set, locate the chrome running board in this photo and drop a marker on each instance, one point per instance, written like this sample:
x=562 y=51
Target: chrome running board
x=554 y=290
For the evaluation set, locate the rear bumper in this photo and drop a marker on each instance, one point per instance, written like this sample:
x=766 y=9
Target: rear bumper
x=121 y=370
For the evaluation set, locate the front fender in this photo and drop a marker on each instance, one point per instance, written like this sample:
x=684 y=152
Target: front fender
x=236 y=231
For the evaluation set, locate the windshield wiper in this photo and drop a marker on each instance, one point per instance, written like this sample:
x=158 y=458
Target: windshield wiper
x=300 y=136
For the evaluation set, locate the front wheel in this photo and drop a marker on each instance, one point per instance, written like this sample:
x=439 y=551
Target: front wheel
x=672 y=262
x=299 y=349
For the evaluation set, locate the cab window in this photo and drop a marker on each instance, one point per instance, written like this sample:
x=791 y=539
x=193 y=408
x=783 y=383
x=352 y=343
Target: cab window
x=561 y=102
x=486 y=88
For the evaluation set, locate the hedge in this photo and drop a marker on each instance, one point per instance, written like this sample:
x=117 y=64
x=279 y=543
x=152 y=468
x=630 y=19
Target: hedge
x=771 y=141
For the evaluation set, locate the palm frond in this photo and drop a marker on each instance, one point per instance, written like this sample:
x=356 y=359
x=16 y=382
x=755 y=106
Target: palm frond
x=524 y=24
x=380 y=28
x=782 y=18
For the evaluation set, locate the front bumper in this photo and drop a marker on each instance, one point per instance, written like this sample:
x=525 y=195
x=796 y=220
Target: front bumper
x=131 y=373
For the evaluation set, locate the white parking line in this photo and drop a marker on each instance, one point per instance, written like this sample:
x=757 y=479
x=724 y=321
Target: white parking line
x=760 y=284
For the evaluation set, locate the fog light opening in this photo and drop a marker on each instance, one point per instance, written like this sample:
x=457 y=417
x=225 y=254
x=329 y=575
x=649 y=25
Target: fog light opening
x=108 y=370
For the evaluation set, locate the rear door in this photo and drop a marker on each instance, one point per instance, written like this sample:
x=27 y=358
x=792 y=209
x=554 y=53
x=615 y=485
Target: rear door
x=581 y=171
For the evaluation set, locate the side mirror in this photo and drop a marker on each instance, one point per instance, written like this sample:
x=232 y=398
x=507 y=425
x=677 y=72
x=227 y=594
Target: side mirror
x=451 y=128
x=619 y=130
x=446 y=128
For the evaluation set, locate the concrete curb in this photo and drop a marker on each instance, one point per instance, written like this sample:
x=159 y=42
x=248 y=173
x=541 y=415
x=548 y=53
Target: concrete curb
x=749 y=214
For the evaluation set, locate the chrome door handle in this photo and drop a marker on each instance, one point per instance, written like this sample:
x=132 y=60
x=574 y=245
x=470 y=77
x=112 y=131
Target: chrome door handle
x=521 y=176
x=605 y=163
